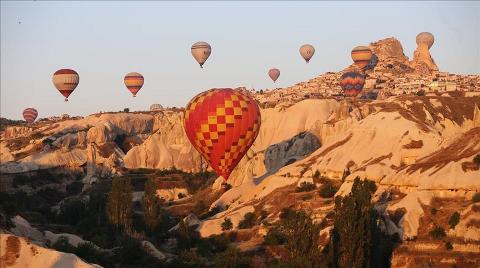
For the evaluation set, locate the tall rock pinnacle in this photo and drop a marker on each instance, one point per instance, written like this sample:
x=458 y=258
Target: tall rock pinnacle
x=422 y=60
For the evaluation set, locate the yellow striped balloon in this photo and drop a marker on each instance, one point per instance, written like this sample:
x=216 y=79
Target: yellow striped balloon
x=66 y=80
x=134 y=82
x=361 y=56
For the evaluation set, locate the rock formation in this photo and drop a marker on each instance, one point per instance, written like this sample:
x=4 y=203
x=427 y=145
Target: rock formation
x=423 y=62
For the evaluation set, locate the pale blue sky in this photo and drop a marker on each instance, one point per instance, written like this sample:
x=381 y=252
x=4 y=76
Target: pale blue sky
x=103 y=41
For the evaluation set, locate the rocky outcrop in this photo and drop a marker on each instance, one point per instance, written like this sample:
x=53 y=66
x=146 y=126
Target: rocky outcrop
x=19 y=252
x=423 y=62
x=168 y=147
x=290 y=151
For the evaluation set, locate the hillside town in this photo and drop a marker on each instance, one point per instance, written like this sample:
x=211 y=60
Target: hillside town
x=389 y=74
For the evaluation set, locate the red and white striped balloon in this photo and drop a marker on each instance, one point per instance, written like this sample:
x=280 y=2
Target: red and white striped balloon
x=30 y=114
x=66 y=80
x=134 y=82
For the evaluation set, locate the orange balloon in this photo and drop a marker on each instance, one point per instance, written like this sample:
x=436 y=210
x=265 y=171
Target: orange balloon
x=361 y=55
x=222 y=125
x=134 y=82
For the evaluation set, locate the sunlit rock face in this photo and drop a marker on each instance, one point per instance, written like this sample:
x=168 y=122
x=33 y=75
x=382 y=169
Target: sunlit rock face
x=422 y=60
x=289 y=151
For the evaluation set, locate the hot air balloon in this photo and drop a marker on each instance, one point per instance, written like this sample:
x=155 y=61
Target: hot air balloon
x=156 y=107
x=30 y=114
x=425 y=38
x=274 y=74
x=134 y=82
x=352 y=83
x=361 y=56
x=222 y=124
x=201 y=51
x=307 y=52
x=65 y=80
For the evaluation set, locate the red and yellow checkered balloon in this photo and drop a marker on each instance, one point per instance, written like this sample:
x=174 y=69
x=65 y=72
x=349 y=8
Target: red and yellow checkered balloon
x=222 y=124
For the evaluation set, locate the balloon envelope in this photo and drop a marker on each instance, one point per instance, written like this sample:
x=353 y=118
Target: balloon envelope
x=274 y=74
x=222 y=124
x=201 y=51
x=65 y=80
x=134 y=82
x=307 y=51
x=156 y=107
x=30 y=114
x=352 y=83
x=361 y=56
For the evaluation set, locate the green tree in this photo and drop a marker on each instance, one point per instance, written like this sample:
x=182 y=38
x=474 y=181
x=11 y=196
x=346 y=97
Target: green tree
x=476 y=160
x=248 y=221
x=454 y=220
x=233 y=258
x=476 y=198
x=438 y=233
x=227 y=224
x=352 y=234
x=119 y=203
x=152 y=209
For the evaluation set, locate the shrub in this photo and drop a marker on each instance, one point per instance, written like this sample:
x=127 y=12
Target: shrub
x=274 y=237
x=448 y=245
x=306 y=197
x=211 y=212
x=433 y=211
x=438 y=233
x=327 y=190
x=476 y=160
x=316 y=175
x=186 y=236
x=306 y=187
x=126 y=110
x=220 y=242
x=233 y=258
x=181 y=195
x=62 y=244
x=248 y=221
x=227 y=224
x=476 y=198
x=263 y=214
x=454 y=220
x=74 y=188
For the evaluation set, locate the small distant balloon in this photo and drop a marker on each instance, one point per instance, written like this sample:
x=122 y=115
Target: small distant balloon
x=30 y=114
x=307 y=51
x=65 y=80
x=274 y=74
x=352 y=83
x=134 y=82
x=361 y=56
x=201 y=51
x=156 y=107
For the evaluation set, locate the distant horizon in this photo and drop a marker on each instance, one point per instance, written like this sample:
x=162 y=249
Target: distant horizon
x=103 y=41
